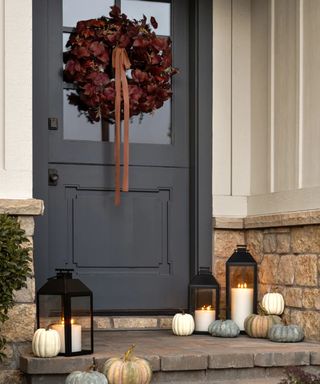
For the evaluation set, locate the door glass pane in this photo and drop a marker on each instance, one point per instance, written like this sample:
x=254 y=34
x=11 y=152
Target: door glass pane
x=135 y=9
x=76 y=126
x=151 y=128
x=76 y=10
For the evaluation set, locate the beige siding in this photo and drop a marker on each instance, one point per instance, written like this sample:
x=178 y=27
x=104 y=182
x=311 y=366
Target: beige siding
x=16 y=99
x=2 y=82
x=275 y=118
x=285 y=95
x=241 y=100
x=222 y=97
x=311 y=94
x=260 y=180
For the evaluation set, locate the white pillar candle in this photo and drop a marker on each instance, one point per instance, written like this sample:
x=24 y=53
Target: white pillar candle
x=241 y=304
x=203 y=318
x=75 y=336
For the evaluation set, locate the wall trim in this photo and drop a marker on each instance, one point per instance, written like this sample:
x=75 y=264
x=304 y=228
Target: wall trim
x=224 y=205
x=297 y=200
x=284 y=219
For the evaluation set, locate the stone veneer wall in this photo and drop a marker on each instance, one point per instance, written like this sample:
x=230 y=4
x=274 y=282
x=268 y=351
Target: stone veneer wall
x=287 y=250
x=19 y=328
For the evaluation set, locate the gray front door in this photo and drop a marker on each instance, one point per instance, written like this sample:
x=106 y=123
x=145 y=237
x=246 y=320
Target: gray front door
x=134 y=257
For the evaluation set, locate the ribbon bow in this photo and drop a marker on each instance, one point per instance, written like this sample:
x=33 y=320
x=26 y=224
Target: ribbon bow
x=120 y=63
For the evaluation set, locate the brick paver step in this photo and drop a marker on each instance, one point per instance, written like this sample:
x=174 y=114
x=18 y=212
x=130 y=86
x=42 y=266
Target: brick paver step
x=194 y=359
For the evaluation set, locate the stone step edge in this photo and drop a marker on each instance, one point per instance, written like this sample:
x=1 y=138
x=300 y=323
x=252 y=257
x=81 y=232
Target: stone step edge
x=182 y=362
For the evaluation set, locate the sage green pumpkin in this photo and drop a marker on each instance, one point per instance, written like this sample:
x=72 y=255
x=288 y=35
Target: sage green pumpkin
x=127 y=369
x=286 y=333
x=259 y=325
x=227 y=328
x=78 y=377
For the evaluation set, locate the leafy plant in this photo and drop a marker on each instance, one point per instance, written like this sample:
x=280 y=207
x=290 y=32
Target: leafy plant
x=14 y=267
x=297 y=375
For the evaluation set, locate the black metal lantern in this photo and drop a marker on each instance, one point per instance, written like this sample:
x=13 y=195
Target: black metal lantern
x=65 y=304
x=241 y=285
x=204 y=299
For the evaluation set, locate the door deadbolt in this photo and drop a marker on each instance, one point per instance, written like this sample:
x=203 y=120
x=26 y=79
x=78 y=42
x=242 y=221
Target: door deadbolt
x=53 y=177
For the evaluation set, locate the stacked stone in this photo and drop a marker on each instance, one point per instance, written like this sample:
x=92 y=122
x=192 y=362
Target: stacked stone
x=19 y=329
x=288 y=257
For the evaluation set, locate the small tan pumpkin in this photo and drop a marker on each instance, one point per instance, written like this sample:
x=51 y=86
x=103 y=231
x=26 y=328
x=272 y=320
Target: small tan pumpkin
x=182 y=324
x=128 y=369
x=273 y=303
x=259 y=325
x=46 y=343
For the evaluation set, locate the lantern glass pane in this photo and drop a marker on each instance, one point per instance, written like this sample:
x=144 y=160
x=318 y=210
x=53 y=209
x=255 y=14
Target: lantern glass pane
x=81 y=323
x=241 y=293
x=205 y=297
x=241 y=275
x=50 y=310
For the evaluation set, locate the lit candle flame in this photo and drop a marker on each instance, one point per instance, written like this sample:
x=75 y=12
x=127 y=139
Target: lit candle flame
x=71 y=321
x=206 y=308
x=242 y=285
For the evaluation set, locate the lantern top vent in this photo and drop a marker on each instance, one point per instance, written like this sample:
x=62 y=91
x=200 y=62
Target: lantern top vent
x=241 y=256
x=64 y=284
x=204 y=278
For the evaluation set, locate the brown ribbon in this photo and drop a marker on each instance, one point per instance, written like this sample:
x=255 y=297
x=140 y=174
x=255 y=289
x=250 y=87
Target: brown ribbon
x=121 y=62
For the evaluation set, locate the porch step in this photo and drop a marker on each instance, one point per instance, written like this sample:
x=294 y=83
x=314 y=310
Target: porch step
x=197 y=359
x=117 y=323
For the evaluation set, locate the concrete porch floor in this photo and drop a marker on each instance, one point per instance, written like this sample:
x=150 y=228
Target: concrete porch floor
x=193 y=359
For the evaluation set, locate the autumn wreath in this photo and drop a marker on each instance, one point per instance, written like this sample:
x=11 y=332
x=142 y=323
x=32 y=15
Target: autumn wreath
x=89 y=65
x=119 y=68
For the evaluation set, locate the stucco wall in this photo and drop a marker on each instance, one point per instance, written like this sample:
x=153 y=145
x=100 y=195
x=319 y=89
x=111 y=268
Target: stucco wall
x=15 y=99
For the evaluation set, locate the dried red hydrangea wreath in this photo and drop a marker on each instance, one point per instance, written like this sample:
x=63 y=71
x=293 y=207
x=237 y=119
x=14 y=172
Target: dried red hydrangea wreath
x=89 y=65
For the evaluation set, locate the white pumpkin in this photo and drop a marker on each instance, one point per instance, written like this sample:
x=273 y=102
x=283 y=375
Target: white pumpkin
x=182 y=324
x=273 y=303
x=46 y=343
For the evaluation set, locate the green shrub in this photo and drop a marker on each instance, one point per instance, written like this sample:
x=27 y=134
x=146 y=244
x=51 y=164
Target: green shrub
x=297 y=375
x=14 y=266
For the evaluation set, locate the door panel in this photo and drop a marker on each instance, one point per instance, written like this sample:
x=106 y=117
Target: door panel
x=136 y=255
x=141 y=242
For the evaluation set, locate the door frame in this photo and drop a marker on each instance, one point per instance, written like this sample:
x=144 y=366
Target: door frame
x=200 y=116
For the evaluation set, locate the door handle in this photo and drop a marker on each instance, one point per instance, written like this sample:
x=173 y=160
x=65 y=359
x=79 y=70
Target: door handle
x=53 y=177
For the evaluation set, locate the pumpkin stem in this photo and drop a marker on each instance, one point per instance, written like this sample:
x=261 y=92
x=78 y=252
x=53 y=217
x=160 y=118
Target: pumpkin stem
x=261 y=310
x=94 y=364
x=127 y=355
x=182 y=311
x=92 y=367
